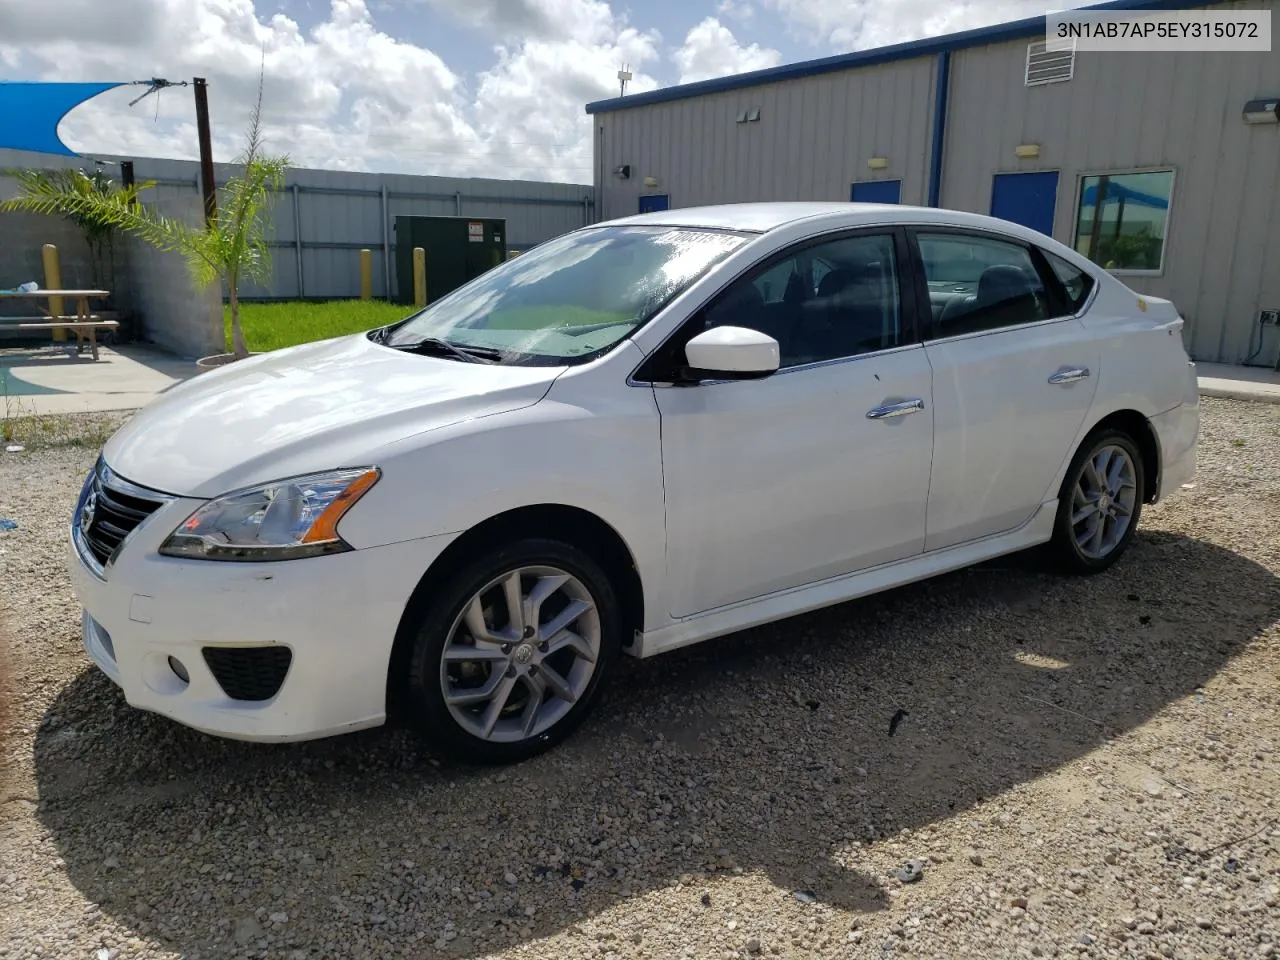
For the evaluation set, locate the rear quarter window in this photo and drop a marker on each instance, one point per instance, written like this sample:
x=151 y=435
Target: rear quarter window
x=1076 y=284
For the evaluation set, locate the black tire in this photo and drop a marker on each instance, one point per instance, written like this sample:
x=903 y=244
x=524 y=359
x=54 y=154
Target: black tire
x=1064 y=551
x=425 y=705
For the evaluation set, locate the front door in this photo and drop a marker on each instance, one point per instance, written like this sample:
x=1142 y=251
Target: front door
x=1029 y=199
x=876 y=191
x=1013 y=379
x=655 y=202
x=821 y=469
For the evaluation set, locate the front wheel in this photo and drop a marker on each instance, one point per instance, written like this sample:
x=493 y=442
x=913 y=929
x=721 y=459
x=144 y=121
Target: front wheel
x=510 y=655
x=1099 y=504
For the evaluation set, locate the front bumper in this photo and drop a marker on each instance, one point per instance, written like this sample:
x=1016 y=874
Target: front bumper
x=337 y=615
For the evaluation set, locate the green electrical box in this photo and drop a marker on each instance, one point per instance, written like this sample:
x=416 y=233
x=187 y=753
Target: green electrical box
x=458 y=250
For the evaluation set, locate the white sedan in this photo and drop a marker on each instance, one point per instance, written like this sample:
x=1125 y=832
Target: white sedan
x=634 y=437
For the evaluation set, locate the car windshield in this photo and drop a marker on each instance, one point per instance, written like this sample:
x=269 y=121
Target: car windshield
x=569 y=299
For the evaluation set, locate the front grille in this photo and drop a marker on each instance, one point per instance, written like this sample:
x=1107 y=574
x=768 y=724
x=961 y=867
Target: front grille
x=249 y=673
x=109 y=511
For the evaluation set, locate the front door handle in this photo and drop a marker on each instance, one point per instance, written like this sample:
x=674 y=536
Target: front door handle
x=899 y=409
x=1070 y=375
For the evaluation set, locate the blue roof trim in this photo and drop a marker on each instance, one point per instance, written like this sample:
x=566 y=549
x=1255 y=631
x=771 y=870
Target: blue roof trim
x=865 y=58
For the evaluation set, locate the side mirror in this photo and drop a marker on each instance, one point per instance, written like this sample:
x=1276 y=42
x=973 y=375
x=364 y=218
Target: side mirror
x=732 y=353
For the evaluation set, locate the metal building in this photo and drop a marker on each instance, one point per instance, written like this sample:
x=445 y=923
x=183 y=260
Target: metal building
x=989 y=121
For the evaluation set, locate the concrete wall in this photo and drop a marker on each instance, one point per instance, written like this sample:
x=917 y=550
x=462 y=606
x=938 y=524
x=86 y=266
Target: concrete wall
x=1119 y=112
x=23 y=234
x=176 y=314
x=812 y=141
x=21 y=237
x=151 y=292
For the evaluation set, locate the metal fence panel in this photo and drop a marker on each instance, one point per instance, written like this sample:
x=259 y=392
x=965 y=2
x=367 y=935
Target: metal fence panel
x=323 y=218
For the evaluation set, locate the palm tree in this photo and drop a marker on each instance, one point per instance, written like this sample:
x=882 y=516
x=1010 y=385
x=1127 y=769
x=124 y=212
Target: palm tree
x=231 y=247
x=99 y=236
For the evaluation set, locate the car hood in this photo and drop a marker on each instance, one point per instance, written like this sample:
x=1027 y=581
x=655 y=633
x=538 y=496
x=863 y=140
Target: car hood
x=320 y=406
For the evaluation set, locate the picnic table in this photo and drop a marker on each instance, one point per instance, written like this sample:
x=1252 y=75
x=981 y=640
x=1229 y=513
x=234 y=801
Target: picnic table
x=83 y=323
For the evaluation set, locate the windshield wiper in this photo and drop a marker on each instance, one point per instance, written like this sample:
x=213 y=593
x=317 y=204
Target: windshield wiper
x=584 y=328
x=435 y=345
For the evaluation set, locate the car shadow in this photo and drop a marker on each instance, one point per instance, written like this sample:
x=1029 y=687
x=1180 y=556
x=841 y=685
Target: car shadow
x=774 y=751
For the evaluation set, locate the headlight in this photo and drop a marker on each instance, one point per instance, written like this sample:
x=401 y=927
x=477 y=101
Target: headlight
x=284 y=520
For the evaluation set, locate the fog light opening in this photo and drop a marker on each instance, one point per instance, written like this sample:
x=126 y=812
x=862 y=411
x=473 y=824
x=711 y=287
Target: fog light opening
x=179 y=670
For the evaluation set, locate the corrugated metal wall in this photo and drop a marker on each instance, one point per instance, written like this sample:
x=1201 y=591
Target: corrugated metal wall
x=1130 y=111
x=323 y=218
x=1120 y=112
x=813 y=139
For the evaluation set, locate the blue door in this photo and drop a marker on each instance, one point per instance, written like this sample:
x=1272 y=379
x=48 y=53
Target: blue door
x=655 y=202
x=877 y=191
x=1026 y=198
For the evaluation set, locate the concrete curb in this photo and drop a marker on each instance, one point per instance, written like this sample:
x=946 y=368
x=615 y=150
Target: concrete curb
x=1239 y=393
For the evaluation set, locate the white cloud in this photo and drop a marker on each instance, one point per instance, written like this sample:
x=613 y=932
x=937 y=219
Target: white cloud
x=343 y=94
x=741 y=10
x=847 y=26
x=586 y=20
x=530 y=104
x=711 y=50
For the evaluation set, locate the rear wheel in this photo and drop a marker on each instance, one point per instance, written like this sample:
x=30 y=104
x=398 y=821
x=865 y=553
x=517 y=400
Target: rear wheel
x=510 y=656
x=1099 y=504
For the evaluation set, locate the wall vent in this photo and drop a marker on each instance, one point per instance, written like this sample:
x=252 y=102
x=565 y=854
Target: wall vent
x=1048 y=66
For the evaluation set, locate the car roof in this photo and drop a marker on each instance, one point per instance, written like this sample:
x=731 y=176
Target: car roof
x=763 y=217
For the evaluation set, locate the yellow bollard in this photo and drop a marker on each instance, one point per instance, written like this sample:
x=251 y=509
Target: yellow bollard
x=53 y=281
x=419 y=277
x=366 y=274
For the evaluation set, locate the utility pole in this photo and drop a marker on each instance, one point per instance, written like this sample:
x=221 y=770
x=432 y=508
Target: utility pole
x=208 y=188
x=624 y=77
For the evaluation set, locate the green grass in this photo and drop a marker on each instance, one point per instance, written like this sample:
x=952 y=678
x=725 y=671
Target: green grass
x=271 y=326
x=42 y=431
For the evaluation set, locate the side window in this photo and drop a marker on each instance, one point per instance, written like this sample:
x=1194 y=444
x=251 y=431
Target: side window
x=773 y=284
x=1076 y=284
x=852 y=308
x=980 y=283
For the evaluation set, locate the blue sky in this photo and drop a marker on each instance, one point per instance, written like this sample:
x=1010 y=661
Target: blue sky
x=455 y=87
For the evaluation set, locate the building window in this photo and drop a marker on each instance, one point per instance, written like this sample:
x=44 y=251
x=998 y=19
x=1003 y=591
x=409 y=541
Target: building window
x=1123 y=219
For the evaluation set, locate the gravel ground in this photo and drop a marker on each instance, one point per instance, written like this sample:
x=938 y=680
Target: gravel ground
x=1085 y=768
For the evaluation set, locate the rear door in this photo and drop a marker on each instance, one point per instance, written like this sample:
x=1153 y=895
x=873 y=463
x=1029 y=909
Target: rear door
x=1014 y=373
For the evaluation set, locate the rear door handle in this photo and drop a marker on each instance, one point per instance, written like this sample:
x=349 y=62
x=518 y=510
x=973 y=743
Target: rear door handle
x=899 y=409
x=1070 y=375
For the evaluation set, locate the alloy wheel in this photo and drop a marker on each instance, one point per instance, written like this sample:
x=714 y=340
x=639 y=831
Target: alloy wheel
x=520 y=654
x=1103 y=501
